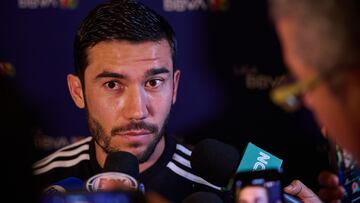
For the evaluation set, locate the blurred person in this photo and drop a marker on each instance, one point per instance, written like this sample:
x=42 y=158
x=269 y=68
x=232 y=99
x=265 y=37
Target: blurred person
x=321 y=46
x=18 y=125
x=253 y=194
x=126 y=80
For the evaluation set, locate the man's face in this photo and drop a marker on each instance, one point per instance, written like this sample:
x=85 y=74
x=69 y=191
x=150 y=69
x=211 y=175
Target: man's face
x=326 y=106
x=253 y=194
x=129 y=90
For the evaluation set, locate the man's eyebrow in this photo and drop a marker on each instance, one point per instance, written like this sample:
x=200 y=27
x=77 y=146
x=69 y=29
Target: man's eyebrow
x=155 y=71
x=107 y=74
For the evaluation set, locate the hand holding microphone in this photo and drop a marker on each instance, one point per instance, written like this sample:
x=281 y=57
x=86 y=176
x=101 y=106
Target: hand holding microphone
x=298 y=189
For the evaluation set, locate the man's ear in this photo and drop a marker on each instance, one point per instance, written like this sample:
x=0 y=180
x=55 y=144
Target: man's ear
x=176 y=85
x=76 y=90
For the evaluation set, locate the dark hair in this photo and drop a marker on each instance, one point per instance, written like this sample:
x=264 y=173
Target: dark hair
x=120 y=20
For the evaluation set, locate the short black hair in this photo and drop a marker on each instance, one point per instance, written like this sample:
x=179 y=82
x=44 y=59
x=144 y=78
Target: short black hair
x=120 y=20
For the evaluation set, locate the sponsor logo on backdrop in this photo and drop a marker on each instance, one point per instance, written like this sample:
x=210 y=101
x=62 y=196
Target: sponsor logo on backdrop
x=255 y=80
x=195 y=5
x=43 y=4
x=7 y=69
x=46 y=143
x=218 y=5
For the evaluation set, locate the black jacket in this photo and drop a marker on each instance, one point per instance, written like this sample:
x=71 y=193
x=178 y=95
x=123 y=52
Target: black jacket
x=171 y=176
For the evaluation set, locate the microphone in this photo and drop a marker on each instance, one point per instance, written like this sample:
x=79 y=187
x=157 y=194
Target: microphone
x=121 y=172
x=71 y=184
x=200 y=197
x=117 y=183
x=123 y=162
x=71 y=190
x=219 y=162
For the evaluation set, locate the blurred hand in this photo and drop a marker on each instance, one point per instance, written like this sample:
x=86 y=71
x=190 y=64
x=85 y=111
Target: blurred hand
x=298 y=189
x=331 y=191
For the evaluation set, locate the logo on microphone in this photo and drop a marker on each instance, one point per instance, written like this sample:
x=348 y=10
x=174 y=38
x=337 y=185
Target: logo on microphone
x=54 y=189
x=261 y=161
x=111 y=181
x=255 y=159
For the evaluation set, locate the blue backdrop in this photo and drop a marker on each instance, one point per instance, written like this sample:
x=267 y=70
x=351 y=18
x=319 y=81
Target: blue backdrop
x=229 y=57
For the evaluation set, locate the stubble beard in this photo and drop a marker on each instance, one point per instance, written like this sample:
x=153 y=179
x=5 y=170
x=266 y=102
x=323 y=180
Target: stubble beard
x=104 y=140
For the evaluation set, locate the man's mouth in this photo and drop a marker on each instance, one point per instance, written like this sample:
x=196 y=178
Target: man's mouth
x=134 y=133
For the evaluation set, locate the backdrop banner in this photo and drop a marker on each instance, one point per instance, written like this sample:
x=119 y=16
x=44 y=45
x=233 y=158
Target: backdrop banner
x=229 y=57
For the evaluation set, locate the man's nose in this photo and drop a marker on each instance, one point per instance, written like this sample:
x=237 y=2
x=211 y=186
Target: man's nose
x=135 y=107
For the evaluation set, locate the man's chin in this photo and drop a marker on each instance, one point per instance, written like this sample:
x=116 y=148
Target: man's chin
x=137 y=151
x=142 y=149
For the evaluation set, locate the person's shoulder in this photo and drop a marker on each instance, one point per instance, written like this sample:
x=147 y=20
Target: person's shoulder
x=65 y=157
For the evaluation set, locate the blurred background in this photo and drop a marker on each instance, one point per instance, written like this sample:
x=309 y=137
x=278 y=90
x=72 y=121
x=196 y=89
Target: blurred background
x=229 y=56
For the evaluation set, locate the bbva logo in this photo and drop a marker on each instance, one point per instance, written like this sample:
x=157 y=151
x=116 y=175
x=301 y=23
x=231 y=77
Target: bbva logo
x=194 y=5
x=39 y=4
x=68 y=4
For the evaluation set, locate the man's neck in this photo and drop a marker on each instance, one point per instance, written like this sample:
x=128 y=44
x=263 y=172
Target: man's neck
x=159 y=149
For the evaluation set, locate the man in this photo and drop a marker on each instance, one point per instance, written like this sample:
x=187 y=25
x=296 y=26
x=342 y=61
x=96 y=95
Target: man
x=127 y=82
x=321 y=46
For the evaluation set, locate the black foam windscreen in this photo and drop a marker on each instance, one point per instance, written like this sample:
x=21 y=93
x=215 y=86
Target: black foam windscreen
x=215 y=161
x=200 y=197
x=123 y=162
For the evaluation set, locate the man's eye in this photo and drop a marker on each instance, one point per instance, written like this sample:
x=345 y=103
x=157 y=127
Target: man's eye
x=154 y=83
x=112 y=85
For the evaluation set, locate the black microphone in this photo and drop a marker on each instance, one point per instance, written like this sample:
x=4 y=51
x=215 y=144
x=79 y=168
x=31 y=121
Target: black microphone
x=71 y=190
x=218 y=162
x=201 y=197
x=121 y=172
x=123 y=162
x=215 y=161
x=118 y=182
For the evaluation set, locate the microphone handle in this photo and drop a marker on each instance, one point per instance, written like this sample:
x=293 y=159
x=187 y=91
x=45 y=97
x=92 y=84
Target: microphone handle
x=291 y=199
